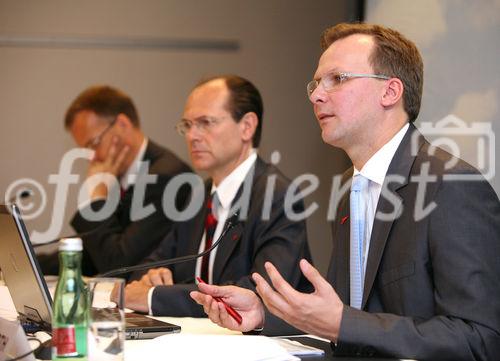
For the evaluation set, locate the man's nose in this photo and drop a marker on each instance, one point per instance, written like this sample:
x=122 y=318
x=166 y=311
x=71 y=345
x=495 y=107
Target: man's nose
x=318 y=95
x=193 y=133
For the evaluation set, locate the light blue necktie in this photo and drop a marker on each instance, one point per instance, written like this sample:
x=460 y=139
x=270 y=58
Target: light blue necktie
x=358 y=224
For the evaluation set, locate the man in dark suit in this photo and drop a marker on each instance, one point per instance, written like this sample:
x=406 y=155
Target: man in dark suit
x=105 y=120
x=414 y=272
x=222 y=124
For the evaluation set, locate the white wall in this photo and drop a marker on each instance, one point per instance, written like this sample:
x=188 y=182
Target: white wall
x=278 y=49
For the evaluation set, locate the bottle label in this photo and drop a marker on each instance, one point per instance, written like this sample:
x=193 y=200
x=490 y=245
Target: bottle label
x=64 y=341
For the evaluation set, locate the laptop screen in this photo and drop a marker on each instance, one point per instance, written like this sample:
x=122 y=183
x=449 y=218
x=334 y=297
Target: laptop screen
x=29 y=290
x=21 y=270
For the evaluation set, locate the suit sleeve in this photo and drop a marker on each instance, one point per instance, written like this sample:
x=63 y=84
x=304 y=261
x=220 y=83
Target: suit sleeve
x=464 y=246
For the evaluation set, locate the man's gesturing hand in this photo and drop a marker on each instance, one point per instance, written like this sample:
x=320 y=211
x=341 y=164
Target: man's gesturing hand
x=318 y=313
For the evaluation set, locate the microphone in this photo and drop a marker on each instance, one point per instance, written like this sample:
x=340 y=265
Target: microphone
x=25 y=193
x=230 y=223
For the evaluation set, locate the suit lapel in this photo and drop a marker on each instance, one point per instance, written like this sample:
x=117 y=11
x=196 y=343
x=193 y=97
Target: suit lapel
x=338 y=272
x=198 y=228
x=189 y=239
x=399 y=169
x=225 y=249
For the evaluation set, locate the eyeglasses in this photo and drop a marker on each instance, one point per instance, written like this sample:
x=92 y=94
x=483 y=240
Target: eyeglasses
x=94 y=142
x=203 y=125
x=332 y=80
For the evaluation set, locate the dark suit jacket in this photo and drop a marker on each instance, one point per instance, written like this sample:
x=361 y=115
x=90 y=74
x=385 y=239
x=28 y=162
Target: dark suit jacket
x=432 y=289
x=122 y=241
x=242 y=251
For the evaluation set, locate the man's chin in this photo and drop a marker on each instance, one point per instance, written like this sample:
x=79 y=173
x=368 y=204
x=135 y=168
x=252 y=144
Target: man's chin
x=201 y=164
x=330 y=138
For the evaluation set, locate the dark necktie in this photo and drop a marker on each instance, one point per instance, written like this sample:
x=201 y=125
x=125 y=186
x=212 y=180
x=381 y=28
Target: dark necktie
x=210 y=225
x=122 y=192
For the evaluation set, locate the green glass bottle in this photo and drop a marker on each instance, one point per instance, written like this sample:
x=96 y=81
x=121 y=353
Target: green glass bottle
x=70 y=308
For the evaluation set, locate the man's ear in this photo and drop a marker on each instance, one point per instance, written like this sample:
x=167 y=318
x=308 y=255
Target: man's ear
x=393 y=92
x=248 y=125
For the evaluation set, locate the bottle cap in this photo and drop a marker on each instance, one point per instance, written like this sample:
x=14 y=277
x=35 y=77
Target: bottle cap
x=70 y=244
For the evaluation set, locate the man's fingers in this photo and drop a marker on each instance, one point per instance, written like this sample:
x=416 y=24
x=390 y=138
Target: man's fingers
x=215 y=291
x=153 y=277
x=225 y=319
x=166 y=276
x=273 y=300
x=210 y=307
x=145 y=280
x=202 y=299
x=120 y=159
x=313 y=275
x=112 y=150
x=279 y=283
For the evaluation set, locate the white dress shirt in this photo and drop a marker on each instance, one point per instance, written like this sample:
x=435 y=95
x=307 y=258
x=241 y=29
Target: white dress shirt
x=375 y=169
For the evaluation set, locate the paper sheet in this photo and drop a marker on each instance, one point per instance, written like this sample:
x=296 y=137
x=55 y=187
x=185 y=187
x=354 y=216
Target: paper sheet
x=210 y=347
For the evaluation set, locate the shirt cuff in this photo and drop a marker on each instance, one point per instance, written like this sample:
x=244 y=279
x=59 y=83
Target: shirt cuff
x=256 y=331
x=150 y=301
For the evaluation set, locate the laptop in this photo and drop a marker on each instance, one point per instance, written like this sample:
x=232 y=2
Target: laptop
x=29 y=290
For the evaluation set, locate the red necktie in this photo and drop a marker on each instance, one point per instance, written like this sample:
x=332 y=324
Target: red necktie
x=210 y=225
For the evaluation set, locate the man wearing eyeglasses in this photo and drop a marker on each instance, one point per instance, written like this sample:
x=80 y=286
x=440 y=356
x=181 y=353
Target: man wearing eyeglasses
x=416 y=253
x=222 y=125
x=105 y=120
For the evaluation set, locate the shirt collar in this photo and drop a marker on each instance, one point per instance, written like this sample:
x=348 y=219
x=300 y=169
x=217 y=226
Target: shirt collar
x=130 y=176
x=227 y=189
x=376 y=167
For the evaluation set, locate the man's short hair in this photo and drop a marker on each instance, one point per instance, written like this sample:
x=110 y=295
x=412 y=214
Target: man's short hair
x=244 y=98
x=394 y=56
x=104 y=101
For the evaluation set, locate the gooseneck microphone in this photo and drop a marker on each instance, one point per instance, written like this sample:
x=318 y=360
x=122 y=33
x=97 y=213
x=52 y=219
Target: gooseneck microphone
x=230 y=223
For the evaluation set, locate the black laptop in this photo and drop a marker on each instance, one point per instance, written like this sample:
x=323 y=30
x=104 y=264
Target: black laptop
x=28 y=288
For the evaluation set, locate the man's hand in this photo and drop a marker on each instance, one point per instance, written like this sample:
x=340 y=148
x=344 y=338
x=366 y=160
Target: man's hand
x=136 y=296
x=158 y=277
x=112 y=164
x=318 y=313
x=242 y=300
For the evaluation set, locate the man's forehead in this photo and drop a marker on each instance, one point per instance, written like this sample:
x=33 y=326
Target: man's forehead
x=347 y=54
x=86 y=124
x=207 y=99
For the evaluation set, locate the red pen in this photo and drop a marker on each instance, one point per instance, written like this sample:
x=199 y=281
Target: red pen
x=232 y=312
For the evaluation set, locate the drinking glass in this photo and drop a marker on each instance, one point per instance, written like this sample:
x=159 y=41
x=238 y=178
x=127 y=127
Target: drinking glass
x=107 y=319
